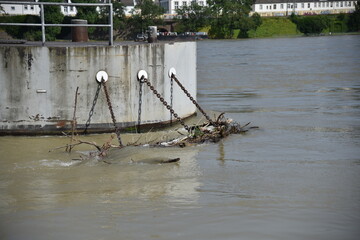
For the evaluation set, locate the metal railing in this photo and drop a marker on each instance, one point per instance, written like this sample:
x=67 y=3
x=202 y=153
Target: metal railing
x=43 y=24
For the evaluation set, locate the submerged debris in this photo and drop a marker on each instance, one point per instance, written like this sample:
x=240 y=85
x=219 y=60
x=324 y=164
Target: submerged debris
x=212 y=131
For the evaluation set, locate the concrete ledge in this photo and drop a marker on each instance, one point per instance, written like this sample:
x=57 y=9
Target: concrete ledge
x=39 y=82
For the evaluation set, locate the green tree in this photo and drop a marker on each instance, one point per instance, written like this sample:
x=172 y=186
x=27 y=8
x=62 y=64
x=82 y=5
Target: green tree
x=146 y=13
x=312 y=24
x=88 y=13
x=248 y=23
x=118 y=21
x=22 y=32
x=192 y=17
x=354 y=19
x=53 y=15
x=228 y=15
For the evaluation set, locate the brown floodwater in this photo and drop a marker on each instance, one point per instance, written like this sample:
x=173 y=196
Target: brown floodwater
x=296 y=177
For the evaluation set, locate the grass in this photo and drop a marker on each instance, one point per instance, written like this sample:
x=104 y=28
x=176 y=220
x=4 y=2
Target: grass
x=275 y=27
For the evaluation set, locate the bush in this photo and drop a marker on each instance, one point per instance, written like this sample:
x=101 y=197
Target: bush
x=22 y=32
x=312 y=24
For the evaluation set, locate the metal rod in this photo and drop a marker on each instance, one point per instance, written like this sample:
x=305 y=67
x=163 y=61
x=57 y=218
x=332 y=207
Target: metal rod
x=111 y=25
x=42 y=25
x=54 y=25
x=55 y=3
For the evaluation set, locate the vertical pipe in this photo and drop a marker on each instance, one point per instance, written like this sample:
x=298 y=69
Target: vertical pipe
x=111 y=24
x=42 y=24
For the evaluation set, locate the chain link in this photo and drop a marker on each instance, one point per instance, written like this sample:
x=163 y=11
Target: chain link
x=171 y=97
x=192 y=99
x=92 y=108
x=139 y=110
x=158 y=95
x=112 y=113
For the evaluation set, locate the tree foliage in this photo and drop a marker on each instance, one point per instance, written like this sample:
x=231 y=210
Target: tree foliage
x=228 y=15
x=52 y=14
x=22 y=32
x=193 y=17
x=146 y=13
x=311 y=24
x=354 y=19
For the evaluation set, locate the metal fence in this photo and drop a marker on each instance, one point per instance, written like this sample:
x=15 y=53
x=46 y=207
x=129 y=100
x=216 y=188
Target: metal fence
x=43 y=25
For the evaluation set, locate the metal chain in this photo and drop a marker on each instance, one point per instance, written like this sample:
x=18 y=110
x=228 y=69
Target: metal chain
x=158 y=95
x=139 y=110
x=112 y=113
x=92 y=108
x=171 y=97
x=192 y=100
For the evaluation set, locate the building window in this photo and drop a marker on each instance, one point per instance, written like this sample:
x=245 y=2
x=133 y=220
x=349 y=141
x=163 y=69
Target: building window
x=66 y=9
x=176 y=5
x=327 y=4
x=282 y=6
x=12 y=8
x=295 y=5
x=260 y=6
x=71 y=8
x=201 y=3
x=302 y=5
x=184 y=3
x=32 y=7
x=274 y=6
x=308 y=5
x=26 y=7
x=341 y=4
x=288 y=5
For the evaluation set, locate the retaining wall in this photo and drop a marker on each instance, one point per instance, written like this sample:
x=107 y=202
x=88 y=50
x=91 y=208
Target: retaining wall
x=38 y=85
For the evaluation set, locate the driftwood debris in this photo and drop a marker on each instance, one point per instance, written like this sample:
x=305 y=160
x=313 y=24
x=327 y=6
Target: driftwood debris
x=210 y=132
x=206 y=132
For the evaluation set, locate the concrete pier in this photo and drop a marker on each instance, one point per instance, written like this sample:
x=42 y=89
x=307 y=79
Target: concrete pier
x=38 y=84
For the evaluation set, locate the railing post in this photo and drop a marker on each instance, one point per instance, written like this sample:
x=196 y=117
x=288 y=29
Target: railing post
x=111 y=25
x=42 y=24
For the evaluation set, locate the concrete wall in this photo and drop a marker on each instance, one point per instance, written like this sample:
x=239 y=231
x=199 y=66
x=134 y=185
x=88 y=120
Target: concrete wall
x=38 y=85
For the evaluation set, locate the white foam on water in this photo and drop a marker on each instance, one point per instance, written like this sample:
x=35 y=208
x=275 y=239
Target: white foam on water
x=57 y=163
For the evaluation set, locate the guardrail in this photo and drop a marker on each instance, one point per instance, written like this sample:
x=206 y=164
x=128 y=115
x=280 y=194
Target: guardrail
x=43 y=24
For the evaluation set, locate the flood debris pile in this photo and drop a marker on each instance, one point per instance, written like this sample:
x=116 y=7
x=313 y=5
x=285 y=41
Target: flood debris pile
x=209 y=132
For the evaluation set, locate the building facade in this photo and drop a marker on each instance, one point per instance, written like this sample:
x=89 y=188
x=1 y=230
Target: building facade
x=171 y=6
x=267 y=8
x=31 y=9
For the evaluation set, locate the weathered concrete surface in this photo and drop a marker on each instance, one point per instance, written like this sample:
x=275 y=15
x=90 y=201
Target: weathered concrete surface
x=38 y=85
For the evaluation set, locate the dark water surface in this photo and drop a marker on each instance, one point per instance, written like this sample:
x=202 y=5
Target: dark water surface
x=297 y=177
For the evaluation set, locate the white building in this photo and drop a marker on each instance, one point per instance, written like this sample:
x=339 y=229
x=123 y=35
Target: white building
x=170 y=6
x=302 y=7
x=30 y=9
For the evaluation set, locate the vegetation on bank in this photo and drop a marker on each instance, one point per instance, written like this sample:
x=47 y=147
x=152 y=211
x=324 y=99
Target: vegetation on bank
x=222 y=19
x=146 y=13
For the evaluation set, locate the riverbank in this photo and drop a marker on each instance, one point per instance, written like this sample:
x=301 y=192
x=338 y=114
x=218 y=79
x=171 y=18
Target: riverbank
x=283 y=27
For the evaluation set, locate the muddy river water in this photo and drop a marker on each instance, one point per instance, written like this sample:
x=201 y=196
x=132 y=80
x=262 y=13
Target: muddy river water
x=296 y=177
